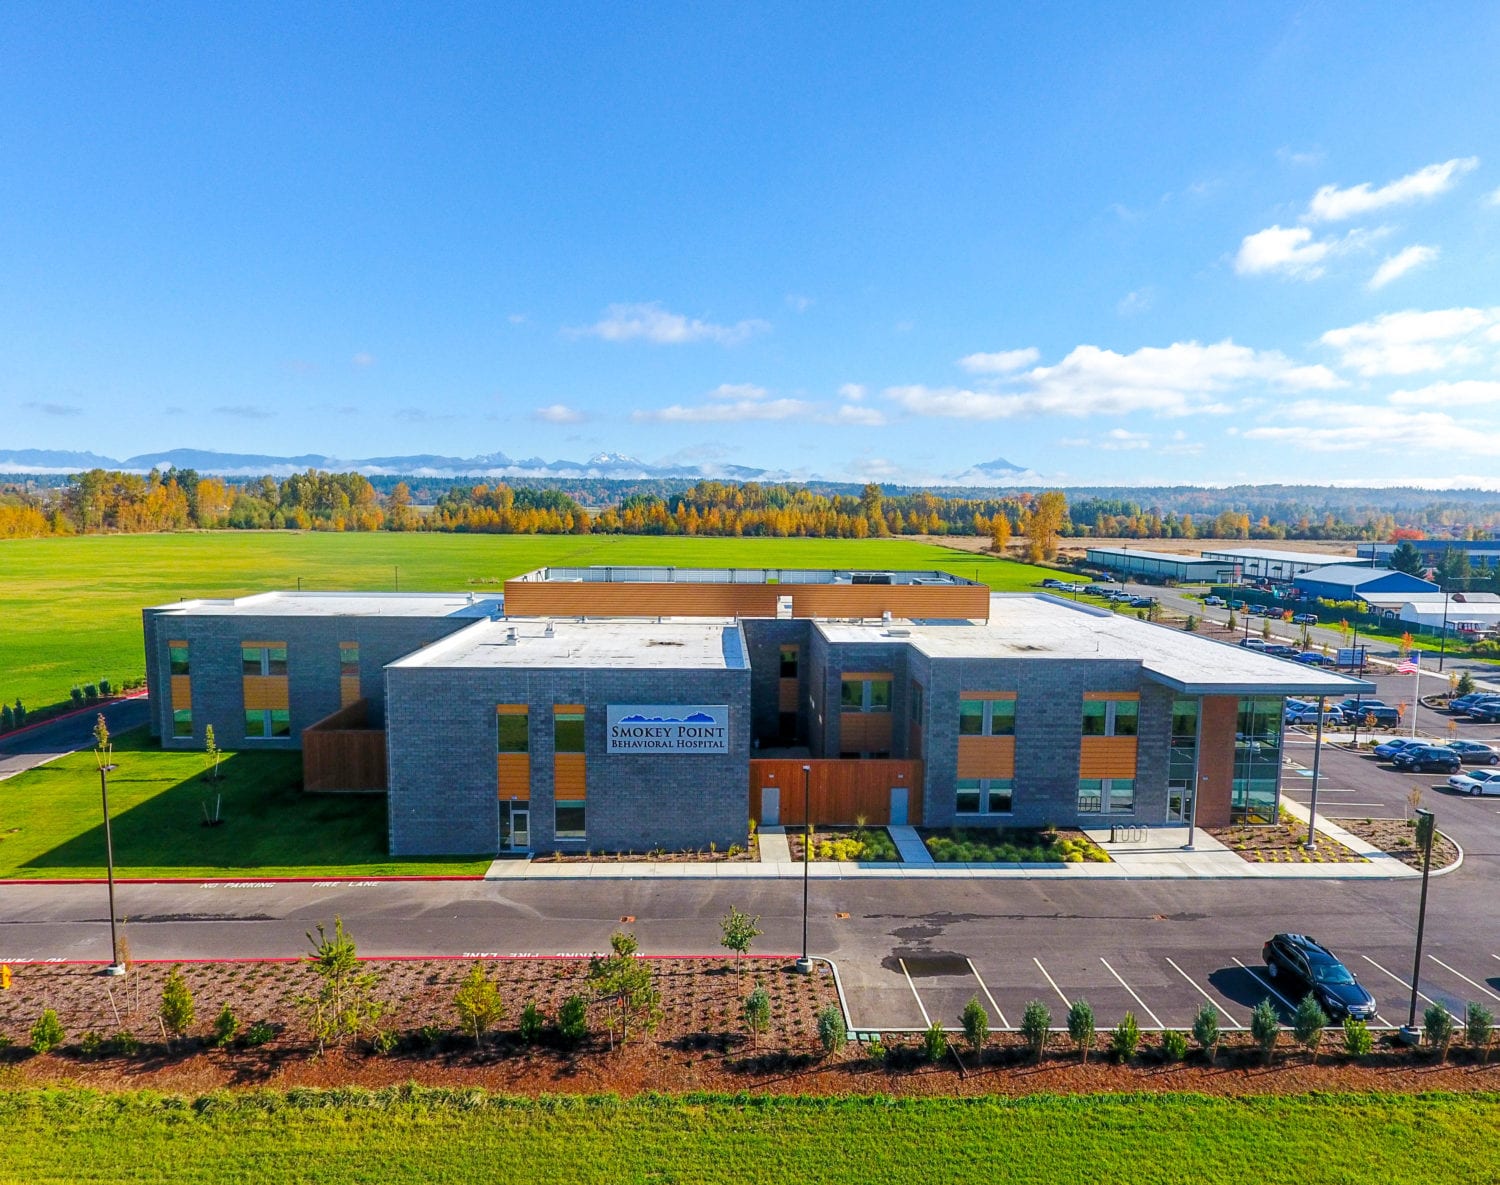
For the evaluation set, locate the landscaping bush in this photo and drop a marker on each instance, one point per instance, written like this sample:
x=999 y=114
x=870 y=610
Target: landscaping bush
x=1035 y=1023
x=1010 y=845
x=831 y=1030
x=934 y=1043
x=1437 y=1029
x=1479 y=1025
x=176 y=1005
x=1358 y=1042
x=573 y=1020
x=47 y=1033
x=1206 y=1031
x=757 y=1013
x=124 y=1044
x=76 y=693
x=531 y=1023
x=1265 y=1027
x=226 y=1025
x=1126 y=1038
x=259 y=1033
x=91 y=1044
x=477 y=1002
x=1174 y=1045
x=1308 y=1024
x=105 y=687
x=1081 y=1026
x=976 y=1024
x=90 y=692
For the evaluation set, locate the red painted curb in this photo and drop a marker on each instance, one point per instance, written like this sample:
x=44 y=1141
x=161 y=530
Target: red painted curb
x=362 y=959
x=94 y=707
x=228 y=880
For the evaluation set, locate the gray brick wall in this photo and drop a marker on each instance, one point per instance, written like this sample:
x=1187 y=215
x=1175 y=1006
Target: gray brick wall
x=764 y=640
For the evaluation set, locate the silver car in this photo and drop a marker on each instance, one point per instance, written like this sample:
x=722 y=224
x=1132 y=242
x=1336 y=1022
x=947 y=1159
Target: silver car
x=1479 y=781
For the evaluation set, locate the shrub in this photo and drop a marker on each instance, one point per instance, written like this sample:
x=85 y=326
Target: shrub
x=91 y=1044
x=757 y=1013
x=1465 y=685
x=1125 y=1038
x=477 y=1002
x=875 y=1050
x=1081 y=1026
x=176 y=1004
x=76 y=693
x=1357 y=1039
x=935 y=1043
x=1479 y=1026
x=831 y=1030
x=344 y=1005
x=1206 y=1030
x=739 y=931
x=106 y=687
x=226 y=1025
x=1265 y=1027
x=382 y=1041
x=1035 y=1023
x=1308 y=1024
x=573 y=1020
x=1437 y=1028
x=90 y=692
x=976 y=1024
x=47 y=1034
x=1174 y=1045
x=531 y=1023
x=259 y=1033
x=7 y=721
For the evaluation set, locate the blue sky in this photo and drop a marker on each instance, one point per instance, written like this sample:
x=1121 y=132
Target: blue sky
x=1112 y=243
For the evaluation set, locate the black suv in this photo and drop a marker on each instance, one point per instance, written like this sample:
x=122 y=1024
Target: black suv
x=1427 y=759
x=1331 y=983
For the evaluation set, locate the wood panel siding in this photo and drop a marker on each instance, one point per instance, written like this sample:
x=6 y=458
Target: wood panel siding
x=266 y=691
x=340 y=755
x=569 y=777
x=842 y=792
x=1218 y=721
x=864 y=732
x=1108 y=695
x=540 y=598
x=182 y=692
x=987 y=695
x=348 y=689
x=786 y=695
x=513 y=776
x=986 y=757
x=1107 y=757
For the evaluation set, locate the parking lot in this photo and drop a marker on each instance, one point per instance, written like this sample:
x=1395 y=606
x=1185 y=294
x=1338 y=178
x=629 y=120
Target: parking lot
x=1164 y=989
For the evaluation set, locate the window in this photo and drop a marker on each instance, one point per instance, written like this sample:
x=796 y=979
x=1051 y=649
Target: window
x=790 y=656
x=916 y=700
x=276 y=660
x=1099 y=796
x=568 y=821
x=1257 y=761
x=1110 y=717
x=983 y=796
x=349 y=660
x=177 y=657
x=267 y=723
x=987 y=717
x=281 y=722
x=567 y=732
x=860 y=694
x=263 y=659
x=182 y=722
x=514 y=729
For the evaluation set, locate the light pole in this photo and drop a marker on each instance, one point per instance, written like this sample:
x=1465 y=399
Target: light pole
x=804 y=964
x=105 y=765
x=1443 y=640
x=1312 y=809
x=1426 y=829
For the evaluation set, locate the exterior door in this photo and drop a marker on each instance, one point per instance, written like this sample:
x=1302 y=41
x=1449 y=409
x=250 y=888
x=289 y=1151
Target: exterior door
x=1179 y=802
x=770 y=806
x=898 y=806
x=520 y=828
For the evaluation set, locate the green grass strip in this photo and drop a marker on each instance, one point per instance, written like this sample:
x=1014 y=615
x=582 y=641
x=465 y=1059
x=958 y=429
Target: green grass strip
x=409 y=1134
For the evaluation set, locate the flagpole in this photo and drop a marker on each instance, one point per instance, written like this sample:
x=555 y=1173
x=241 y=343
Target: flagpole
x=1416 y=689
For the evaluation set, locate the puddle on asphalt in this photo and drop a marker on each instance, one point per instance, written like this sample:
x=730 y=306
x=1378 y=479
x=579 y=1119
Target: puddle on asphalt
x=932 y=968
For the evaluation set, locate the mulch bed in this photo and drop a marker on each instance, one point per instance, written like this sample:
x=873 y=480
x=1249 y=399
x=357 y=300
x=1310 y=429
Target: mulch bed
x=1399 y=838
x=1282 y=844
x=697 y=1047
x=715 y=855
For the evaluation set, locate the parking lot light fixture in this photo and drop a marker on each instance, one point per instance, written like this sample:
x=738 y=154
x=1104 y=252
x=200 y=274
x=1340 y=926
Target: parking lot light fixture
x=1426 y=830
x=1312 y=809
x=115 y=967
x=804 y=964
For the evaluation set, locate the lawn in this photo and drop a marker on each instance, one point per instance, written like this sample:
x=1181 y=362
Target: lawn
x=412 y=1135
x=50 y=820
x=70 y=608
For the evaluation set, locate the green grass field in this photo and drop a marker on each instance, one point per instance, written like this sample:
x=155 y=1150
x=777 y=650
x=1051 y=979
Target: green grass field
x=50 y=820
x=70 y=608
x=410 y=1135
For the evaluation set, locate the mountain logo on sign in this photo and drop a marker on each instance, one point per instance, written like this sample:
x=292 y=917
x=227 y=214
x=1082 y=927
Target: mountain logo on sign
x=692 y=718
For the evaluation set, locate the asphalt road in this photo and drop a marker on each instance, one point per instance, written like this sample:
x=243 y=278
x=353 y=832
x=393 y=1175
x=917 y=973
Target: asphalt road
x=36 y=746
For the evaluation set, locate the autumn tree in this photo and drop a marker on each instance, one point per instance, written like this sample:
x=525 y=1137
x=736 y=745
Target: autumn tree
x=1045 y=524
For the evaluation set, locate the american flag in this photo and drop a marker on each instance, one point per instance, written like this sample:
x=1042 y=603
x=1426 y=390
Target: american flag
x=1408 y=665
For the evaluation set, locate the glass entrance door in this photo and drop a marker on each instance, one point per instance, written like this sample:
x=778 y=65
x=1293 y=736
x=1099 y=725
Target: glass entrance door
x=520 y=828
x=1179 y=802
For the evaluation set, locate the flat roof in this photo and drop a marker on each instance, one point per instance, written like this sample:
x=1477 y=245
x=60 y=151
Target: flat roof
x=339 y=604
x=695 y=643
x=1355 y=575
x=661 y=574
x=1038 y=626
x=1268 y=553
x=1140 y=553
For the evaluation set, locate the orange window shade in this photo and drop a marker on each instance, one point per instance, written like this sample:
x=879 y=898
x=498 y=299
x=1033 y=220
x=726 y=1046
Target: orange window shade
x=865 y=732
x=1108 y=695
x=514 y=709
x=513 y=775
x=986 y=757
x=266 y=691
x=569 y=778
x=348 y=689
x=849 y=676
x=569 y=709
x=786 y=695
x=182 y=692
x=1107 y=757
x=987 y=695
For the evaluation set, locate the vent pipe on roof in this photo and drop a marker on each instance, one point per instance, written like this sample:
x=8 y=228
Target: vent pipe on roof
x=510 y=636
x=547 y=633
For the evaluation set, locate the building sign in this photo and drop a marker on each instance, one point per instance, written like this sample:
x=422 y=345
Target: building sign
x=668 y=728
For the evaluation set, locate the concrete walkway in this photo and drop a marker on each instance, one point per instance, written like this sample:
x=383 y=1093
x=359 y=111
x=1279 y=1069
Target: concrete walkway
x=774 y=848
x=914 y=853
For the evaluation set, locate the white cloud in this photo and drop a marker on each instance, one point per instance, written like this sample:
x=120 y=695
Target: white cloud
x=738 y=391
x=558 y=413
x=652 y=323
x=855 y=416
x=1002 y=362
x=1287 y=156
x=1413 y=341
x=1135 y=302
x=853 y=391
x=726 y=411
x=1179 y=379
x=1494 y=197
x=1397 y=265
x=1341 y=428
x=1123 y=438
x=363 y=359
x=1293 y=251
x=1332 y=204
x=1466 y=393
x=518 y=318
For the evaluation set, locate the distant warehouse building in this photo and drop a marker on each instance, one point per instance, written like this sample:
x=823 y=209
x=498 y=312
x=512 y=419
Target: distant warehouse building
x=1278 y=567
x=624 y=708
x=1347 y=582
x=1159 y=565
x=1482 y=553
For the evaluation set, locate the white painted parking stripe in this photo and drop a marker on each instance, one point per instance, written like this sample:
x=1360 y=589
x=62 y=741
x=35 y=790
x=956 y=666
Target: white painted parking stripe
x=1407 y=986
x=1266 y=984
x=1464 y=977
x=1131 y=990
x=1004 y=1024
x=926 y=1020
x=1053 y=982
x=1232 y=1022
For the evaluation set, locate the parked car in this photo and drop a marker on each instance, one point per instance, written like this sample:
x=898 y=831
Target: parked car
x=1308 y=714
x=1475 y=752
x=1460 y=705
x=1142 y=602
x=1305 y=618
x=1259 y=611
x=1121 y=595
x=1427 y=759
x=1237 y=605
x=1213 y=600
x=1388 y=749
x=1253 y=643
x=1312 y=964
x=1382 y=715
x=1487 y=712
x=1052 y=582
x=1096 y=590
x=1358 y=703
x=1280 y=650
x=1481 y=781
x=1314 y=659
